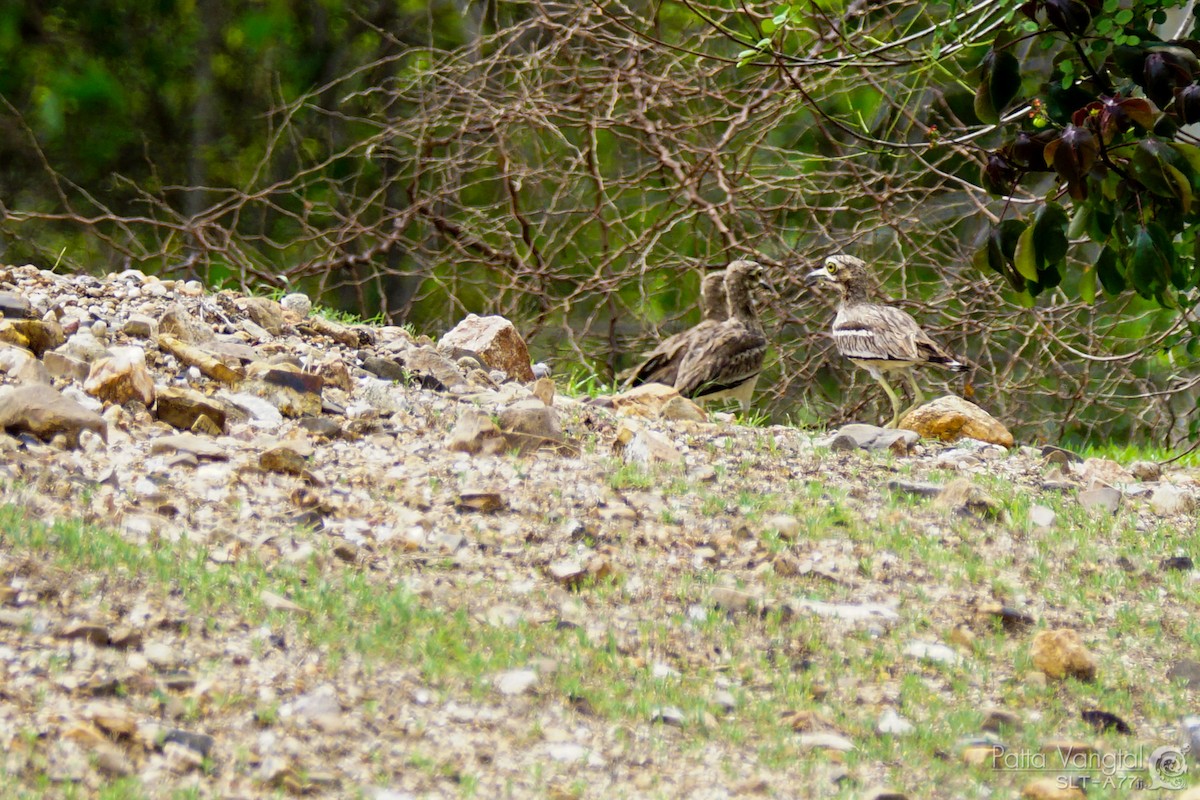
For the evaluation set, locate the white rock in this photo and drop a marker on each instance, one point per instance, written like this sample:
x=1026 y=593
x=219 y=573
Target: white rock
x=515 y=682
x=932 y=651
x=297 y=302
x=1169 y=500
x=892 y=724
x=1042 y=516
x=263 y=415
x=824 y=741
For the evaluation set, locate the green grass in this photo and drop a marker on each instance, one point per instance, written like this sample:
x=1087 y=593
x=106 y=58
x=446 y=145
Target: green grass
x=889 y=545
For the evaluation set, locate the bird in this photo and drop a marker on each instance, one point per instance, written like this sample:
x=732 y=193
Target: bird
x=727 y=363
x=662 y=364
x=878 y=338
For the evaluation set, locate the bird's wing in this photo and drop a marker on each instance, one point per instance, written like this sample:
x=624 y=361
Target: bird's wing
x=877 y=333
x=732 y=355
x=661 y=365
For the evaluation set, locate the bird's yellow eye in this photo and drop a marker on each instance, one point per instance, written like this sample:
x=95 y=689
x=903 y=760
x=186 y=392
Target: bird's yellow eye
x=831 y=267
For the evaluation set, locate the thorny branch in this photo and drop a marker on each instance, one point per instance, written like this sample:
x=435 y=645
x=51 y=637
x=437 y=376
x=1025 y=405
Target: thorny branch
x=579 y=167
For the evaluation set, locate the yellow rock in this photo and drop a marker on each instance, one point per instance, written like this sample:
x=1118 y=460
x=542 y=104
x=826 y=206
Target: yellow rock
x=949 y=418
x=1061 y=653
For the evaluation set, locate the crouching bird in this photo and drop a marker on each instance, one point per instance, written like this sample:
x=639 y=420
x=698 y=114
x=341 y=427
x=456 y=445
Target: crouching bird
x=878 y=338
x=661 y=365
x=726 y=363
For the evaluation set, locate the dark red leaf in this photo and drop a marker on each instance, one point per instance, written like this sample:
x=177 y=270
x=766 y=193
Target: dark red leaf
x=1187 y=103
x=999 y=174
x=1028 y=150
x=1072 y=16
x=1073 y=154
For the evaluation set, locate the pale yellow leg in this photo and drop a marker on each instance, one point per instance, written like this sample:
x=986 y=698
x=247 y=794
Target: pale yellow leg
x=891 y=393
x=918 y=395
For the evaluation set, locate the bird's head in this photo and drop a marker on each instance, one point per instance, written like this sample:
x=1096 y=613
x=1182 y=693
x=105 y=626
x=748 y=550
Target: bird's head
x=841 y=270
x=747 y=270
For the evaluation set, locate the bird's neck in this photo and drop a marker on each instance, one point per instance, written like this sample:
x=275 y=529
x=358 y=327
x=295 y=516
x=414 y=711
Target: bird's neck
x=854 y=294
x=714 y=308
x=741 y=305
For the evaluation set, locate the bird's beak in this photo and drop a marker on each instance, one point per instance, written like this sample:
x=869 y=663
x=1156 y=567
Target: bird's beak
x=817 y=275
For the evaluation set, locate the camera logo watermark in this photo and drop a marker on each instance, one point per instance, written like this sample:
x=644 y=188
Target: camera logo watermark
x=1164 y=768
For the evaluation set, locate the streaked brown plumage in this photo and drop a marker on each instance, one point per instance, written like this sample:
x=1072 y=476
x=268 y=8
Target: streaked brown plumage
x=662 y=364
x=727 y=365
x=876 y=337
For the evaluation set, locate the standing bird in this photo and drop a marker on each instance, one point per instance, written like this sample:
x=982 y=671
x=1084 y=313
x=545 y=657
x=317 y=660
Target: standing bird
x=662 y=365
x=728 y=362
x=878 y=338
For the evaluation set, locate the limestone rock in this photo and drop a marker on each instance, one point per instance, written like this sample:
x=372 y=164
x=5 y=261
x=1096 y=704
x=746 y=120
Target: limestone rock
x=261 y=413
x=1097 y=472
x=121 y=377
x=870 y=437
x=298 y=303
x=431 y=369
x=1104 y=499
x=529 y=425
x=34 y=334
x=13 y=306
x=516 y=682
x=61 y=365
x=934 y=652
x=949 y=418
x=1061 y=653
x=639 y=446
x=42 y=411
x=21 y=365
x=680 y=407
x=1169 y=500
x=84 y=346
x=180 y=407
x=475 y=432
x=294 y=392
x=1041 y=516
x=276 y=319
x=141 y=326
x=496 y=341
x=646 y=400
x=178 y=323
x=198 y=446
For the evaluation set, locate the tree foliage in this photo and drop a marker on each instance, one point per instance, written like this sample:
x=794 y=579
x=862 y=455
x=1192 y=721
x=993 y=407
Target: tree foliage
x=1100 y=96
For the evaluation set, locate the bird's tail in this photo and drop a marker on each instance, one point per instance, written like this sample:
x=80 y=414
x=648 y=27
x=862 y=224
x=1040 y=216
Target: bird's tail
x=952 y=364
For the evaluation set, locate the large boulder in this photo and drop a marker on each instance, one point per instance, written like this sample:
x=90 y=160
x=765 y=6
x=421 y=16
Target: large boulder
x=44 y=412
x=495 y=341
x=121 y=377
x=949 y=418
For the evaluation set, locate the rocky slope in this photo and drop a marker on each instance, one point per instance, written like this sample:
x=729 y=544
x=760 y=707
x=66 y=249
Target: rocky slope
x=650 y=602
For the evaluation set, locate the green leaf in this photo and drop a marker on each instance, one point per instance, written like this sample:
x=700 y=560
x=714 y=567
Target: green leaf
x=1080 y=221
x=1050 y=236
x=999 y=82
x=1164 y=170
x=1149 y=264
x=997 y=252
x=1087 y=286
x=1108 y=270
x=1025 y=258
x=769 y=26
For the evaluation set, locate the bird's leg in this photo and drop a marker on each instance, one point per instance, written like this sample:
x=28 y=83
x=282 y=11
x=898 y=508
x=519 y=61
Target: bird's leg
x=918 y=396
x=891 y=393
